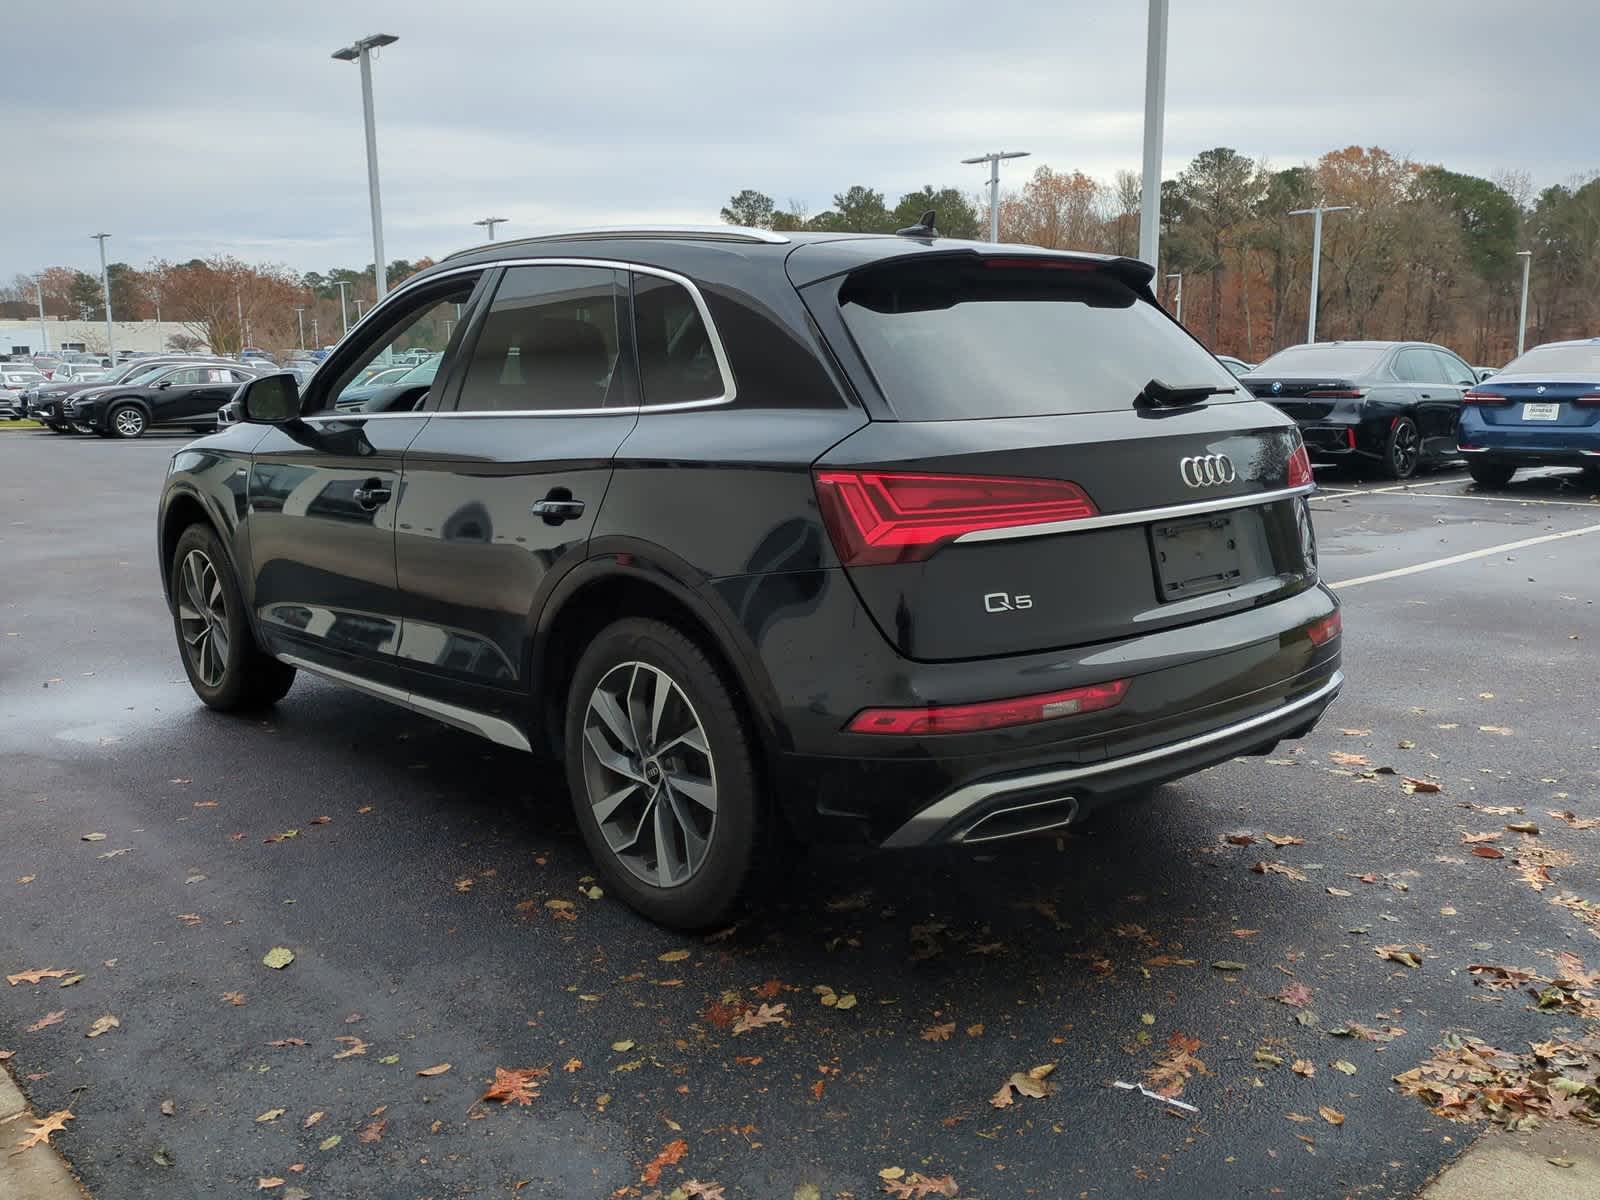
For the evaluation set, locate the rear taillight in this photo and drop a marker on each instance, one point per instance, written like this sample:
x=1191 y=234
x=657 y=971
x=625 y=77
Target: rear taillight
x=1587 y=401
x=876 y=517
x=1299 y=467
x=1350 y=437
x=1325 y=630
x=990 y=714
x=1487 y=398
x=1336 y=393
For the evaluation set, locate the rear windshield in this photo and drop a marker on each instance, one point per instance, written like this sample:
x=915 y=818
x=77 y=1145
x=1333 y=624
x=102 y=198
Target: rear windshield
x=1543 y=360
x=971 y=337
x=1322 y=360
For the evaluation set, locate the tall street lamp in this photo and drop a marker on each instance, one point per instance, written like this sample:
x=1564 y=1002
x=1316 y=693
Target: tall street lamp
x=1178 y=305
x=344 y=313
x=1155 y=107
x=1522 y=321
x=44 y=330
x=361 y=52
x=1316 y=255
x=489 y=223
x=300 y=316
x=105 y=284
x=994 y=184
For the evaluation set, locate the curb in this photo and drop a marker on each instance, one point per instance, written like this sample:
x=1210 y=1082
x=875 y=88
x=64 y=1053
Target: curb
x=37 y=1174
x=19 y=426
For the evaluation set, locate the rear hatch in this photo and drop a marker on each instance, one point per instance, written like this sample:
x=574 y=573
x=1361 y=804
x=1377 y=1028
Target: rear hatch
x=1023 y=494
x=1538 y=414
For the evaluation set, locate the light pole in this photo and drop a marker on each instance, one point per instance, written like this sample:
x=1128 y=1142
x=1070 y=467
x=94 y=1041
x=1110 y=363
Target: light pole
x=1522 y=321
x=1155 y=107
x=994 y=184
x=105 y=284
x=361 y=52
x=1179 y=297
x=238 y=302
x=44 y=330
x=300 y=316
x=1316 y=255
x=489 y=223
x=316 y=332
x=344 y=313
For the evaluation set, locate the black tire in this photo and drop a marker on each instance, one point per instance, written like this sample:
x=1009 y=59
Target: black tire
x=1402 y=449
x=126 y=421
x=1490 y=474
x=636 y=654
x=1591 y=476
x=238 y=675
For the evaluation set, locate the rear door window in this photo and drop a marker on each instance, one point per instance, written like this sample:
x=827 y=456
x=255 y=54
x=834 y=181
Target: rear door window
x=678 y=361
x=970 y=337
x=549 y=343
x=1454 y=370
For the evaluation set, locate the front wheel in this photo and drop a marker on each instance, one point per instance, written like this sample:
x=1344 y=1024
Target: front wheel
x=226 y=668
x=126 y=421
x=1402 y=450
x=662 y=770
x=1490 y=474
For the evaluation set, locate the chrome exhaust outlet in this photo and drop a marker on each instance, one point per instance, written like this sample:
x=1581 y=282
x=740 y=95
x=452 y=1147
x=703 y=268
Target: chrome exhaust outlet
x=1019 y=820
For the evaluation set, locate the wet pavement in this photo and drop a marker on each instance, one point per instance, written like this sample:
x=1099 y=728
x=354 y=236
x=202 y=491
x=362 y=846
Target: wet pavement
x=415 y=895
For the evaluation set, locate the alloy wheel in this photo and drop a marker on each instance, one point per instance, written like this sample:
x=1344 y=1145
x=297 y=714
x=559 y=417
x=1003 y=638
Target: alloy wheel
x=203 y=618
x=1405 y=448
x=649 y=774
x=129 y=422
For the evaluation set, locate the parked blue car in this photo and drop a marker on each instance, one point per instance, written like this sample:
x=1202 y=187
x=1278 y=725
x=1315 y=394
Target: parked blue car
x=1539 y=410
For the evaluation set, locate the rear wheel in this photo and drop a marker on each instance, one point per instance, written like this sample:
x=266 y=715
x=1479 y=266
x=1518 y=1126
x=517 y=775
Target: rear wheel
x=126 y=421
x=1402 y=450
x=662 y=770
x=1491 y=474
x=226 y=668
x=1591 y=475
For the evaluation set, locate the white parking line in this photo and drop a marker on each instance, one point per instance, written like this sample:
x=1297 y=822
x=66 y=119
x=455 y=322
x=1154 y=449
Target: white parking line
x=1326 y=494
x=1417 y=568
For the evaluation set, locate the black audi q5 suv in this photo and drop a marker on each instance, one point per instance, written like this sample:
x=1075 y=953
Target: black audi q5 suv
x=772 y=536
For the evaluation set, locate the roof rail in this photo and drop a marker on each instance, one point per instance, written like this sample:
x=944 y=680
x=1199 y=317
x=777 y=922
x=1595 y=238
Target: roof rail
x=702 y=233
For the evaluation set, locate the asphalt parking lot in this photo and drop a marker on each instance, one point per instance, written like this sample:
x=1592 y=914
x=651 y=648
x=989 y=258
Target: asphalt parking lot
x=433 y=892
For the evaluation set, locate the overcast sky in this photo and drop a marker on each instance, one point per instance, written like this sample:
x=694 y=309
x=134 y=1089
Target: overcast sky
x=185 y=127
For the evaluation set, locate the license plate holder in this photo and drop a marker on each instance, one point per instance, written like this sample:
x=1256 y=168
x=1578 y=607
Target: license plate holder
x=1195 y=556
x=1541 y=412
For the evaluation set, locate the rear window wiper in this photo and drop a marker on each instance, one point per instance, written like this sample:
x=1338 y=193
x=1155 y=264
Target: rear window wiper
x=1166 y=396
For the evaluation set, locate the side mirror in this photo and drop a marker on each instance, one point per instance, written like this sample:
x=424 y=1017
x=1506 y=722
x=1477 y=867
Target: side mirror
x=165 y=383
x=269 y=399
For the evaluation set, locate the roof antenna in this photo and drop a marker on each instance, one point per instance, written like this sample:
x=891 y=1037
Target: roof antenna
x=922 y=229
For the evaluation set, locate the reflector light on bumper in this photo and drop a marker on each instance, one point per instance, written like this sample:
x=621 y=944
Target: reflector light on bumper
x=990 y=714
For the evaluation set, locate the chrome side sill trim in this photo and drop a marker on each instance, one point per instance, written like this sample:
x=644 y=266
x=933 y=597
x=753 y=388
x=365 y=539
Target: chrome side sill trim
x=502 y=733
x=1140 y=517
x=925 y=825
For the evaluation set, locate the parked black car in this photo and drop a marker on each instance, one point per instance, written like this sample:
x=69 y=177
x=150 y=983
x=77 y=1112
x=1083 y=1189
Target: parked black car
x=180 y=394
x=44 y=402
x=888 y=537
x=1390 y=405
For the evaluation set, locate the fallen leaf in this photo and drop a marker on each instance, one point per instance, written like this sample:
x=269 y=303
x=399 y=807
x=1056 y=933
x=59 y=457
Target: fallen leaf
x=1527 y=827
x=26 y=878
x=1303 y=1067
x=278 y=957
x=1488 y=852
x=1278 y=868
x=1424 y=786
x=328 y=1143
x=234 y=998
x=1346 y=759
x=352 y=1046
x=1333 y=891
x=47 y=1020
x=1563 y=1161
x=939 y=1033
x=103 y=1024
x=431 y=1071
x=282 y=1043
x=1175 y=1066
x=1267 y=1058
x=38 y=975
x=757 y=1018
x=917 y=1186
x=892 y=1173
x=1169 y=960
x=671 y=1153
x=1475 y=839
x=1227 y=964
x=672 y=956
x=1573 y=819
x=1502 y=730
x=272 y=1114
x=622 y=1047
x=372 y=1131
x=94 y=837
x=696 y=1190
x=1240 y=839
x=43 y=1127
x=1356 y=732
x=1281 y=839
x=1331 y=1115
x=1398 y=953
x=848 y=1000
x=266 y=1183
x=312 y=1119
x=572 y=1064
x=1295 y=995
x=515 y=1084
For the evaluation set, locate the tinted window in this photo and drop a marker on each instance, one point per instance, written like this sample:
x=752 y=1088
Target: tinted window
x=961 y=338
x=676 y=362
x=1544 y=360
x=426 y=320
x=1416 y=366
x=188 y=375
x=549 y=342
x=1455 y=371
x=1317 y=361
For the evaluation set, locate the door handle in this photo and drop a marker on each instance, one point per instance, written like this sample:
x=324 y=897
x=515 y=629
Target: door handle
x=557 y=507
x=372 y=493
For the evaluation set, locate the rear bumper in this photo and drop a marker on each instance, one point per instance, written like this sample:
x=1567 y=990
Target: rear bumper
x=1524 y=456
x=981 y=810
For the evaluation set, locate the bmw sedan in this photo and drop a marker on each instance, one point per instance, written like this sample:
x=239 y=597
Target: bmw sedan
x=1391 y=406
x=1540 y=410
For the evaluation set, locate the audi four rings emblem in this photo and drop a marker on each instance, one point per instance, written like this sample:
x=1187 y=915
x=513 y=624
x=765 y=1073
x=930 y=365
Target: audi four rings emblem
x=1207 y=470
